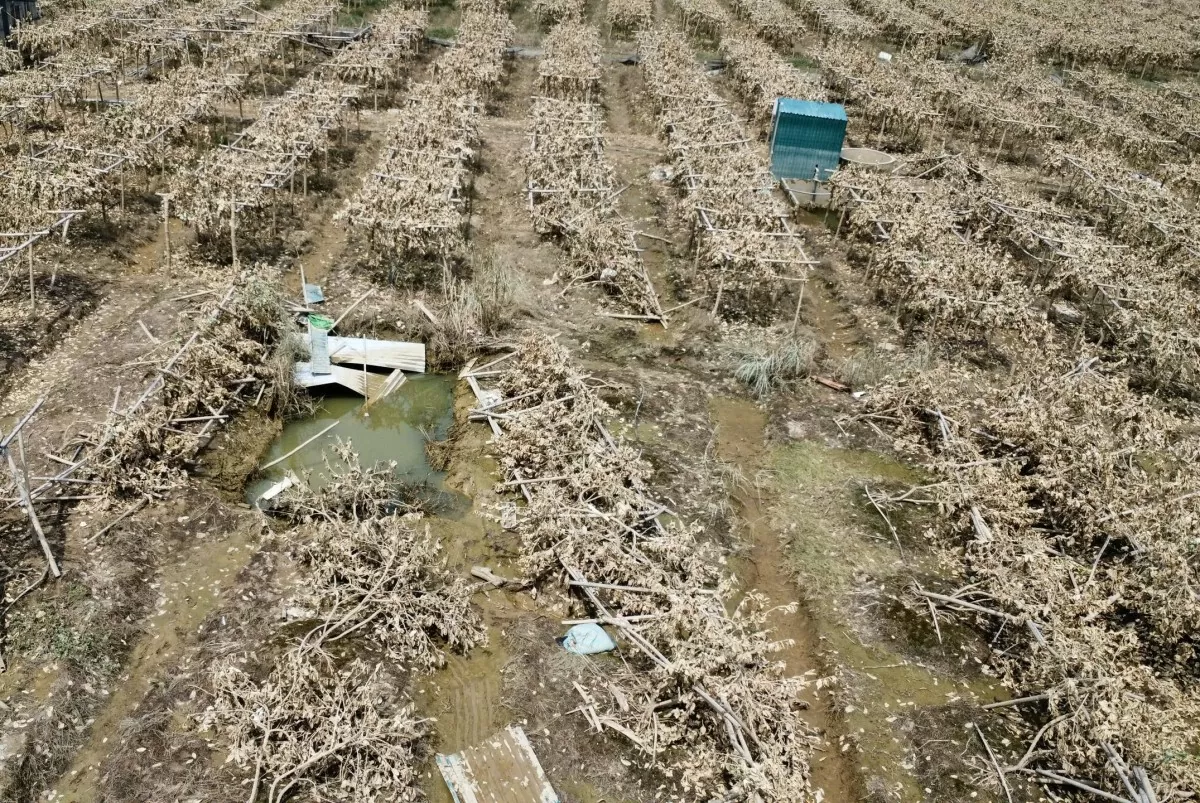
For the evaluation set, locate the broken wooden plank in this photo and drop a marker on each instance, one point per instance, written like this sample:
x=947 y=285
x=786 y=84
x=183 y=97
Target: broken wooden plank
x=488 y=576
x=832 y=384
x=361 y=382
x=390 y=385
x=283 y=457
x=503 y=769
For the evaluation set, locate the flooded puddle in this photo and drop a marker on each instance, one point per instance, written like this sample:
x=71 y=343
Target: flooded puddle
x=811 y=540
x=393 y=429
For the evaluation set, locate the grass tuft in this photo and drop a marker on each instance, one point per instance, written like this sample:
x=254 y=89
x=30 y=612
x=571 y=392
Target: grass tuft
x=870 y=366
x=766 y=367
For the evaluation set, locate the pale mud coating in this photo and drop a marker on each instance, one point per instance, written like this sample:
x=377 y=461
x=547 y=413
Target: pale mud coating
x=886 y=498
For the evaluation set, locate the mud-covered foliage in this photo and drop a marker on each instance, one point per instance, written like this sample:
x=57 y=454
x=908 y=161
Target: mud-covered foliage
x=147 y=447
x=383 y=579
x=726 y=716
x=333 y=733
x=1070 y=506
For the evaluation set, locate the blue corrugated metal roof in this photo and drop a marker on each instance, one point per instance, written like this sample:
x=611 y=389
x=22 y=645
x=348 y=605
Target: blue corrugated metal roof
x=812 y=108
x=807 y=137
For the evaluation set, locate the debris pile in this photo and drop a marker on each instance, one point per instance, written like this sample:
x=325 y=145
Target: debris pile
x=1071 y=507
x=704 y=697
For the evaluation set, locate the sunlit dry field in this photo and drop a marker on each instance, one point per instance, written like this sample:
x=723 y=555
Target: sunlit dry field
x=889 y=499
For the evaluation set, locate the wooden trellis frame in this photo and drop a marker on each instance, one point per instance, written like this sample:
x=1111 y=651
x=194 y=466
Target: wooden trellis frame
x=727 y=185
x=417 y=199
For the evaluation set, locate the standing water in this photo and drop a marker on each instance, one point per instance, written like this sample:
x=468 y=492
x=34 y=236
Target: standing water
x=395 y=428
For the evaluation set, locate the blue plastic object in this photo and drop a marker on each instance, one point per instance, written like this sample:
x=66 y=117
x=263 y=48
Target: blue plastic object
x=588 y=639
x=806 y=138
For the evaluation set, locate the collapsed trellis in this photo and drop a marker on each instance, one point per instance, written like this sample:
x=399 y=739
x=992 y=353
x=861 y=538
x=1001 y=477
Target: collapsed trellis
x=45 y=92
x=415 y=200
x=333 y=730
x=1064 y=539
x=1124 y=37
x=834 y=19
x=97 y=24
x=1028 y=264
x=205 y=26
x=762 y=77
x=900 y=22
x=378 y=580
x=377 y=59
x=746 y=251
x=884 y=100
x=231 y=38
x=707 y=16
x=1071 y=462
x=713 y=711
x=259 y=168
x=627 y=16
x=144 y=446
x=570 y=66
x=1131 y=207
x=772 y=20
x=552 y=11
x=1067 y=536
x=91 y=161
x=1017 y=104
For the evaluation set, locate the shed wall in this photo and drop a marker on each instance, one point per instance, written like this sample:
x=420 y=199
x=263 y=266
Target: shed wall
x=801 y=144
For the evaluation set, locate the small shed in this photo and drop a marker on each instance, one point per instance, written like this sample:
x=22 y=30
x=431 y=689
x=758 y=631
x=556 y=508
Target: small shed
x=806 y=138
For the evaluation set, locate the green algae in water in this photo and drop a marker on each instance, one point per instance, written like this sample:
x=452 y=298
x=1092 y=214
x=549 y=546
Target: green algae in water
x=393 y=429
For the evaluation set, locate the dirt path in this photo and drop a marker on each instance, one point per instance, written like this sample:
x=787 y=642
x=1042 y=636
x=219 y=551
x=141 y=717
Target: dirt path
x=189 y=589
x=739 y=425
x=635 y=152
x=740 y=431
x=465 y=696
x=500 y=220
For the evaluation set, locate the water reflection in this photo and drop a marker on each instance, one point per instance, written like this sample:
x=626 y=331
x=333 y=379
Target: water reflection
x=394 y=428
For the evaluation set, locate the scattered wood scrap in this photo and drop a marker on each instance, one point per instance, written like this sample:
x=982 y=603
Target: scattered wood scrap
x=503 y=769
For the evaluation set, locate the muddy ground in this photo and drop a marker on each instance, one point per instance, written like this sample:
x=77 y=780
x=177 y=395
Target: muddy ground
x=107 y=666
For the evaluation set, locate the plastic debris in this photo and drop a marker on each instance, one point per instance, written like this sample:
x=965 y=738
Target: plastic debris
x=587 y=639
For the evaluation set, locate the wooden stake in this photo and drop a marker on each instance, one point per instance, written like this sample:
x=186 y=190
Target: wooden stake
x=350 y=308
x=717 y=301
x=233 y=233
x=799 y=301
x=166 y=213
x=23 y=488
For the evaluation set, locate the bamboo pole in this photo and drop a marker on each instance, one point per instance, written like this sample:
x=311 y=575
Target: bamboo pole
x=281 y=458
x=21 y=480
